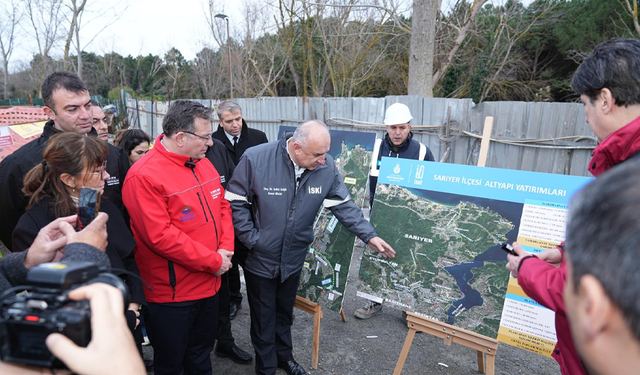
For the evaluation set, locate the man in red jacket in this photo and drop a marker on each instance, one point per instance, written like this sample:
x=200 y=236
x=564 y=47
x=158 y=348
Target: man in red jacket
x=603 y=258
x=608 y=82
x=184 y=234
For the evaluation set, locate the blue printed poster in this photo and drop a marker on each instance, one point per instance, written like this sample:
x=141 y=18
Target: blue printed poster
x=447 y=223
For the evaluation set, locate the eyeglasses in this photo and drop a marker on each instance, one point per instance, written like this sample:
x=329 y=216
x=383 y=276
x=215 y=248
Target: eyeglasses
x=102 y=169
x=207 y=138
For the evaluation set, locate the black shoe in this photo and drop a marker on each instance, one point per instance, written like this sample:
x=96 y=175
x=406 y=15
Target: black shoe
x=233 y=310
x=292 y=368
x=234 y=353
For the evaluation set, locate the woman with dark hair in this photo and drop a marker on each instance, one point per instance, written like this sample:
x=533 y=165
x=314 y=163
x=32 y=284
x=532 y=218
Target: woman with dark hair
x=135 y=143
x=73 y=161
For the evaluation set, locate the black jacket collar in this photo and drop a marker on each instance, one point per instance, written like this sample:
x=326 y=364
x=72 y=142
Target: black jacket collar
x=50 y=130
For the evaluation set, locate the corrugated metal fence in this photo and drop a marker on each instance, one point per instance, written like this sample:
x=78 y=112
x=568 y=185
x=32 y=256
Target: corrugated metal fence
x=541 y=137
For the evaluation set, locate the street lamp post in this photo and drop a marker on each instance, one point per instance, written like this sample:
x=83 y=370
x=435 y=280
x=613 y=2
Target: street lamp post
x=226 y=18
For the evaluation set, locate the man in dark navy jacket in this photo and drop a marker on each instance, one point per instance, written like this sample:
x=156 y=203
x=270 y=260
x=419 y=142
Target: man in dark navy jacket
x=226 y=346
x=236 y=137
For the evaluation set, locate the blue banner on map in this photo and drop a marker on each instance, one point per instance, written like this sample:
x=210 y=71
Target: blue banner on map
x=491 y=183
x=447 y=223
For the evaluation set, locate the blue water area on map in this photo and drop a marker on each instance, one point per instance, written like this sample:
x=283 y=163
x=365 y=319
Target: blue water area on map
x=463 y=272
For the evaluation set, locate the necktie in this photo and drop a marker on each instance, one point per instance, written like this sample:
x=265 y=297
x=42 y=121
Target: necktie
x=235 y=141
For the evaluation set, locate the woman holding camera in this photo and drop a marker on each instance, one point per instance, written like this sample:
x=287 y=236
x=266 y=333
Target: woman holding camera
x=73 y=161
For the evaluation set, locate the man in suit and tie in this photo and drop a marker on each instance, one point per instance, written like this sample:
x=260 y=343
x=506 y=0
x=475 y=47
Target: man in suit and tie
x=237 y=137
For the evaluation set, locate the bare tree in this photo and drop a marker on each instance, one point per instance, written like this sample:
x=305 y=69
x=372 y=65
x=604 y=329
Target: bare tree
x=174 y=67
x=631 y=7
x=461 y=35
x=45 y=18
x=423 y=36
x=77 y=9
x=289 y=37
x=218 y=32
x=355 y=43
x=262 y=58
x=209 y=78
x=513 y=25
x=9 y=18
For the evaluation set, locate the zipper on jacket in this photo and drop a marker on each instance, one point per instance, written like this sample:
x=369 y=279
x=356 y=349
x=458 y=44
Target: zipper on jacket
x=202 y=205
x=215 y=225
x=172 y=279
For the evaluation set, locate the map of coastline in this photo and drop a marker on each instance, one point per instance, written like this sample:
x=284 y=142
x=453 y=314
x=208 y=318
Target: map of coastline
x=326 y=267
x=448 y=264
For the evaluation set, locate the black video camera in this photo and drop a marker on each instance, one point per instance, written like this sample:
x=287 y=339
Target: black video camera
x=28 y=318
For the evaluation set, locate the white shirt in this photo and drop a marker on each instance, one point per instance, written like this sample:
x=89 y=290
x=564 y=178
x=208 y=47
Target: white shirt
x=298 y=169
x=231 y=137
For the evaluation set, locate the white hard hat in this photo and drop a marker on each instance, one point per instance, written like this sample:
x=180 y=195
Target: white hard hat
x=396 y=114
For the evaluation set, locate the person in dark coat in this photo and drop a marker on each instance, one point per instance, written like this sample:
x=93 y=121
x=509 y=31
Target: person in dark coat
x=135 y=143
x=236 y=137
x=226 y=346
x=73 y=161
x=68 y=106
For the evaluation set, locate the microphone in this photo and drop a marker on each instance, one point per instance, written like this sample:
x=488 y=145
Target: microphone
x=190 y=164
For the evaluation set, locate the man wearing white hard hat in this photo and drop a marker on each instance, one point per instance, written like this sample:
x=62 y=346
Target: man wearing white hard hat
x=397 y=143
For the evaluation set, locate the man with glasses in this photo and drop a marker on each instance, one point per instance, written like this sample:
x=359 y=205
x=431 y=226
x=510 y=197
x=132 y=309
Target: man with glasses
x=184 y=235
x=68 y=106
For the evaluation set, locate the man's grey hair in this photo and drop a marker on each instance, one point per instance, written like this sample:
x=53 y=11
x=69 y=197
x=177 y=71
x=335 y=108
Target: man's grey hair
x=603 y=237
x=301 y=135
x=227 y=105
x=181 y=116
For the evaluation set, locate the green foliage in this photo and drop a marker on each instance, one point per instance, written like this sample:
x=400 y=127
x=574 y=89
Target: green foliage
x=585 y=23
x=114 y=93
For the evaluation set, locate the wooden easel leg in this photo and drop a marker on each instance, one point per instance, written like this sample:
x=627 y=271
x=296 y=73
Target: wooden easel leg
x=405 y=351
x=480 y=362
x=316 y=338
x=344 y=317
x=491 y=364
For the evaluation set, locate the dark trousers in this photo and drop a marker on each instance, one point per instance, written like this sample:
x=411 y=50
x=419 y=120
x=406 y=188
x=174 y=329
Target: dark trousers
x=271 y=306
x=234 y=282
x=225 y=337
x=183 y=334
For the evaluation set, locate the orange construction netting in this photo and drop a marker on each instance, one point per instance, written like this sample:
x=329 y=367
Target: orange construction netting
x=15 y=116
x=21 y=115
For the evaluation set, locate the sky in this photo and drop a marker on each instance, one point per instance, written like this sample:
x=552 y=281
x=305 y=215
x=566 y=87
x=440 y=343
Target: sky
x=146 y=26
x=150 y=26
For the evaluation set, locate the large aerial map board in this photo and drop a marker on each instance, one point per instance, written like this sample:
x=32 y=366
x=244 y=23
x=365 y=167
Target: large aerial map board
x=326 y=267
x=447 y=223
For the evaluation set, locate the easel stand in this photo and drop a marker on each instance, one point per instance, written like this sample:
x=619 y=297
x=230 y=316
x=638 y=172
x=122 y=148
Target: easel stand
x=451 y=334
x=315 y=310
